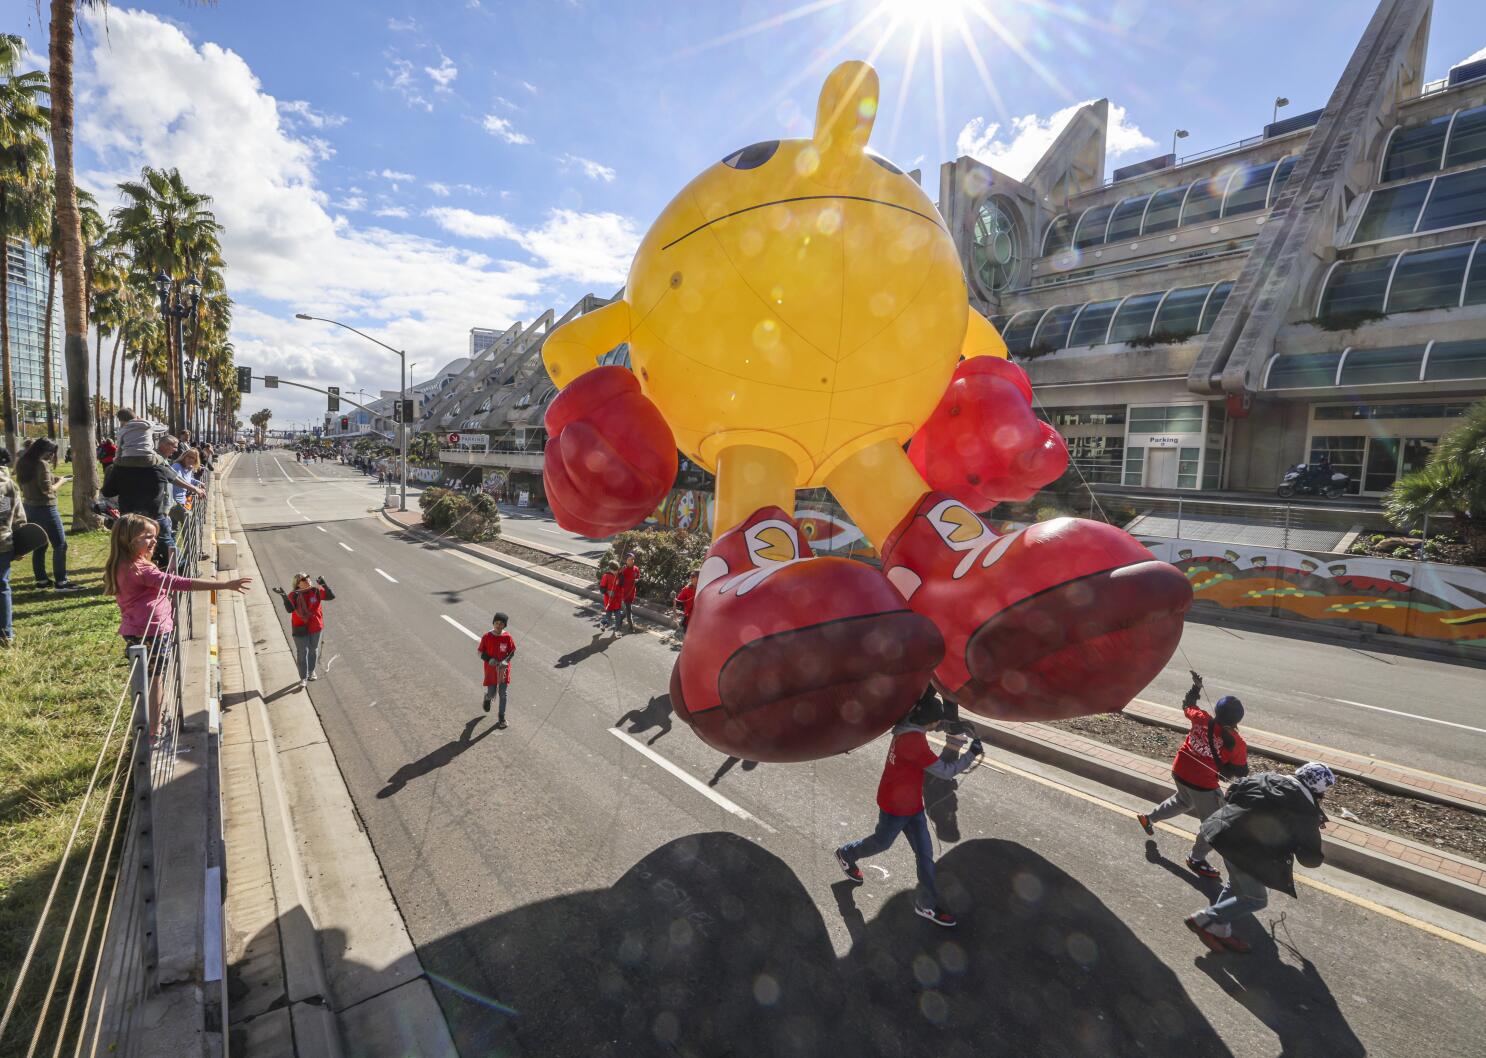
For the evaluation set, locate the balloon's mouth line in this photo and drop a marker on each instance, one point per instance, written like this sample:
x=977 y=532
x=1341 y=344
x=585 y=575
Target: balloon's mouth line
x=800 y=198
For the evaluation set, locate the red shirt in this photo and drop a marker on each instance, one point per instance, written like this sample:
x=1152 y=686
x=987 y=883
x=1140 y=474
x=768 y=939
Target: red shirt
x=686 y=598
x=304 y=609
x=901 y=791
x=629 y=579
x=1194 y=761
x=500 y=646
x=609 y=585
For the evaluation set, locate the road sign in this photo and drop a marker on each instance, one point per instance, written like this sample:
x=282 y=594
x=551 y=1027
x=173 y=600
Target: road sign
x=334 y=395
x=245 y=380
x=270 y=381
x=453 y=438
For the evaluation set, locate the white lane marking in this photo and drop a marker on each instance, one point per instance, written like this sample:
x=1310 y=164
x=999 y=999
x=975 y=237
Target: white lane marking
x=690 y=780
x=384 y=573
x=1396 y=712
x=348 y=547
x=459 y=626
x=280 y=465
x=322 y=529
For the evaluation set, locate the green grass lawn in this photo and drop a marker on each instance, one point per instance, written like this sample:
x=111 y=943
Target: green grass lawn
x=59 y=686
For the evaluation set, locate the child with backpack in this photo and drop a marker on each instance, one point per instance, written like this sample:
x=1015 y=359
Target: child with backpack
x=1213 y=750
x=497 y=647
x=613 y=591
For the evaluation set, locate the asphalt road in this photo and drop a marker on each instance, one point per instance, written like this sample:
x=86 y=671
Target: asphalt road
x=596 y=881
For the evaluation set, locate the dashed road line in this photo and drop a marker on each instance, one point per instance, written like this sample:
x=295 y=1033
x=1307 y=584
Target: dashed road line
x=384 y=573
x=322 y=529
x=690 y=780
x=459 y=626
x=1397 y=712
x=347 y=546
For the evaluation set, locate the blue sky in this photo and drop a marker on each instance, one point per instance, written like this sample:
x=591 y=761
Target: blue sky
x=420 y=168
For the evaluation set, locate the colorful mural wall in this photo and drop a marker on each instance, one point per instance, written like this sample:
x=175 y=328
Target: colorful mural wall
x=821 y=519
x=1424 y=600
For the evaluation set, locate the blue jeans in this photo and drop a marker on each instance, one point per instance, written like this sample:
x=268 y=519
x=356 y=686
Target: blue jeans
x=1242 y=894
x=50 y=519
x=889 y=827
x=497 y=692
x=306 y=652
x=5 y=559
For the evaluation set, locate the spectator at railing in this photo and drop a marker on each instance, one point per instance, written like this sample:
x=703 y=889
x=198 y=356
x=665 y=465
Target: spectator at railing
x=143 y=593
x=39 y=491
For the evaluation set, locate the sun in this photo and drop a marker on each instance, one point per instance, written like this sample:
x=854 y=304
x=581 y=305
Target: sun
x=933 y=14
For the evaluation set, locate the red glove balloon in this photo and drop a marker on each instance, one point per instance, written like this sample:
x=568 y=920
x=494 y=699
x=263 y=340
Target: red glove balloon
x=610 y=456
x=983 y=445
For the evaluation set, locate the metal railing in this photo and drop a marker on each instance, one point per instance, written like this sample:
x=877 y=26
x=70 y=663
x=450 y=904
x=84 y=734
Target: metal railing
x=91 y=968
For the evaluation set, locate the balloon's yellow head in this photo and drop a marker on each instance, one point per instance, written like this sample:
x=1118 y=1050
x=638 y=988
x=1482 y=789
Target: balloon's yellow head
x=800 y=294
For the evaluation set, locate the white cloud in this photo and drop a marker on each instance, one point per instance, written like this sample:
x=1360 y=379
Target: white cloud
x=529 y=87
x=148 y=96
x=400 y=80
x=391 y=211
x=395 y=176
x=1016 y=150
x=585 y=247
x=402 y=25
x=472 y=225
x=498 y=126
x=442 y=190
x=443 y=74
x=299 y=110
x=591 y=169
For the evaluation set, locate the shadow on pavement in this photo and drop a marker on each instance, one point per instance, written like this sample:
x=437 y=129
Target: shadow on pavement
x=598 y=645
x=727 y=766
x=711 y=946
x=942 y=804
x=1208 y=887
x=657 y=714
x=435 y=759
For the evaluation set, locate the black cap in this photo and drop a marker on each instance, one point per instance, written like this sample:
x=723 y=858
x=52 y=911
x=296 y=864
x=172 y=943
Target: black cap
x=502 y=618
x=929 y=709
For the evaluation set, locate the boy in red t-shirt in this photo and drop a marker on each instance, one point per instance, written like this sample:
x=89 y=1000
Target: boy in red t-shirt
x=1213 y=750
x=496 y=650
x=629 y=587
x=900 y=800
x=613 y=594
x=685 y=599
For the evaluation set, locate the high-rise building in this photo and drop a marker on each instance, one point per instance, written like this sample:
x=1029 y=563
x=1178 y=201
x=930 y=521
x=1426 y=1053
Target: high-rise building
x=26 y=305
x=482 y=338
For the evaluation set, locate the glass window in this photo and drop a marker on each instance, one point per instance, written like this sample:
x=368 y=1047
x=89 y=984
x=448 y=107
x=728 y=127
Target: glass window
x=1392 y=411
x=1365 y=367
x=1449 y=360
x=1459 y=198
x=1249 y=190
x=1475 y=283
x=999 y=322
x=1093 y=323
x=1186 y=467
x=1355 y=288
x=1168 y=418
x=1382 y=464
x=1019 y=330
x=1100 y=458
x=1181 y=312
x=1101 y=415
x=1280 y=176
x=1090 y=230
x=1416 y=452
x=1059 y=234
x=1417 y=150
x=1134 y=317
x=1214 y=305
x=1204 y=200
x=1164 y=211
x=1053 y=331
x=1134 y=466
x=1467 y=138
x=1392 y=211
x=1429 y=279
x=1307 y=371
x=1345 y=454
x=1125 y=224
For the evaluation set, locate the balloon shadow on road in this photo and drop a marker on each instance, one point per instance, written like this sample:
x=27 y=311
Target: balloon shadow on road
x=598 y=645
x=657 y=714
x=435 y=759
x=710 y=945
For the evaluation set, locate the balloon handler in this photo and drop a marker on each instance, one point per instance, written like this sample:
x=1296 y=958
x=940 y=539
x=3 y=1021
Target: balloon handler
x=794 y=317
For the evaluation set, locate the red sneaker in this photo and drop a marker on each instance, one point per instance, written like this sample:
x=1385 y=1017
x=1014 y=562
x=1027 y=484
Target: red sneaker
x=789 y=657
x=1063 y=618
x=1207 y=936
x=1233 y=944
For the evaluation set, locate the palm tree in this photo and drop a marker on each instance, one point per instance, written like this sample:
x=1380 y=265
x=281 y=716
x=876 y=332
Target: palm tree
x=260 y=420
x=1452 y=482
x=74 y=285
x=23 y=126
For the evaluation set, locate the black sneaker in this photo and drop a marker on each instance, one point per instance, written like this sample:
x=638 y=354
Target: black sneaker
x=43 y=584
x=486 y=704
x=1145 y=823
x=65 y=585
x=500 y=725
x=848 y=868
x=939 y=918
x=1202 y=868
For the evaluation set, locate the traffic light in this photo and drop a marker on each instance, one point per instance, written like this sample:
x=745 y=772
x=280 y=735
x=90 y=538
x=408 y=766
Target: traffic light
x=335 y=397
x=402 y=410
x=245 y=380
x=345 y=423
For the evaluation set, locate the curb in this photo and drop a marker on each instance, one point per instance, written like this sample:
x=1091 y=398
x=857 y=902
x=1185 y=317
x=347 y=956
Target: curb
x=1406 y=877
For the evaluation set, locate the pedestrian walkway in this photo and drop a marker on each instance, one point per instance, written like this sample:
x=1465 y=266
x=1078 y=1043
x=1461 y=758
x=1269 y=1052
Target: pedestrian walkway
x=1396 y=778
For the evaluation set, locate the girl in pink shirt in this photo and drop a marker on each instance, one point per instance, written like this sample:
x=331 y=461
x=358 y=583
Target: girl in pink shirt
x=143 y=592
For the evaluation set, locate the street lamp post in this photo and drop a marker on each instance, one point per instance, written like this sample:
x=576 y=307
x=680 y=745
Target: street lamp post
x=1177 y=134
x=1279 y=101
x=178 y=307
x=402 y=428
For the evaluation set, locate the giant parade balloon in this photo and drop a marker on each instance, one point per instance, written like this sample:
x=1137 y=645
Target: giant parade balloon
x=795 y=317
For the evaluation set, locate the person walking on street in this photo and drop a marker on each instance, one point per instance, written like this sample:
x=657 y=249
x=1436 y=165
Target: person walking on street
x=1213 y=750
x=613 y=593
x=496 y=649
x=306 y=622
x=33 y=471
x=143 y=592
x=900 y=800
x=12 y=516
x=686 y=598
x=629 y=588
x=1269 y=821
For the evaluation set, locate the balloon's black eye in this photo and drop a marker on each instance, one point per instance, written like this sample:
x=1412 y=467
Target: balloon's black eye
x=889 y=166
x=752 y=157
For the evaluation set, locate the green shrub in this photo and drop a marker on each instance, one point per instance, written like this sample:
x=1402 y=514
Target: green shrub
x=667 y=558
x=481 y=519
x=443 y=508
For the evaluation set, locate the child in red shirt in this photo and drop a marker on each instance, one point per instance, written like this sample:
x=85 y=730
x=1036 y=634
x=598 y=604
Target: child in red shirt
x=900 y=800
x=629 y=587
x=686 y=598
x=497 y=647
x=613 y=593
x=1213 y=750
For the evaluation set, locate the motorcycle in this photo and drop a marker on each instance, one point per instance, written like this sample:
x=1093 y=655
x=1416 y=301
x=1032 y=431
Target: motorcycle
x=1305 y=480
